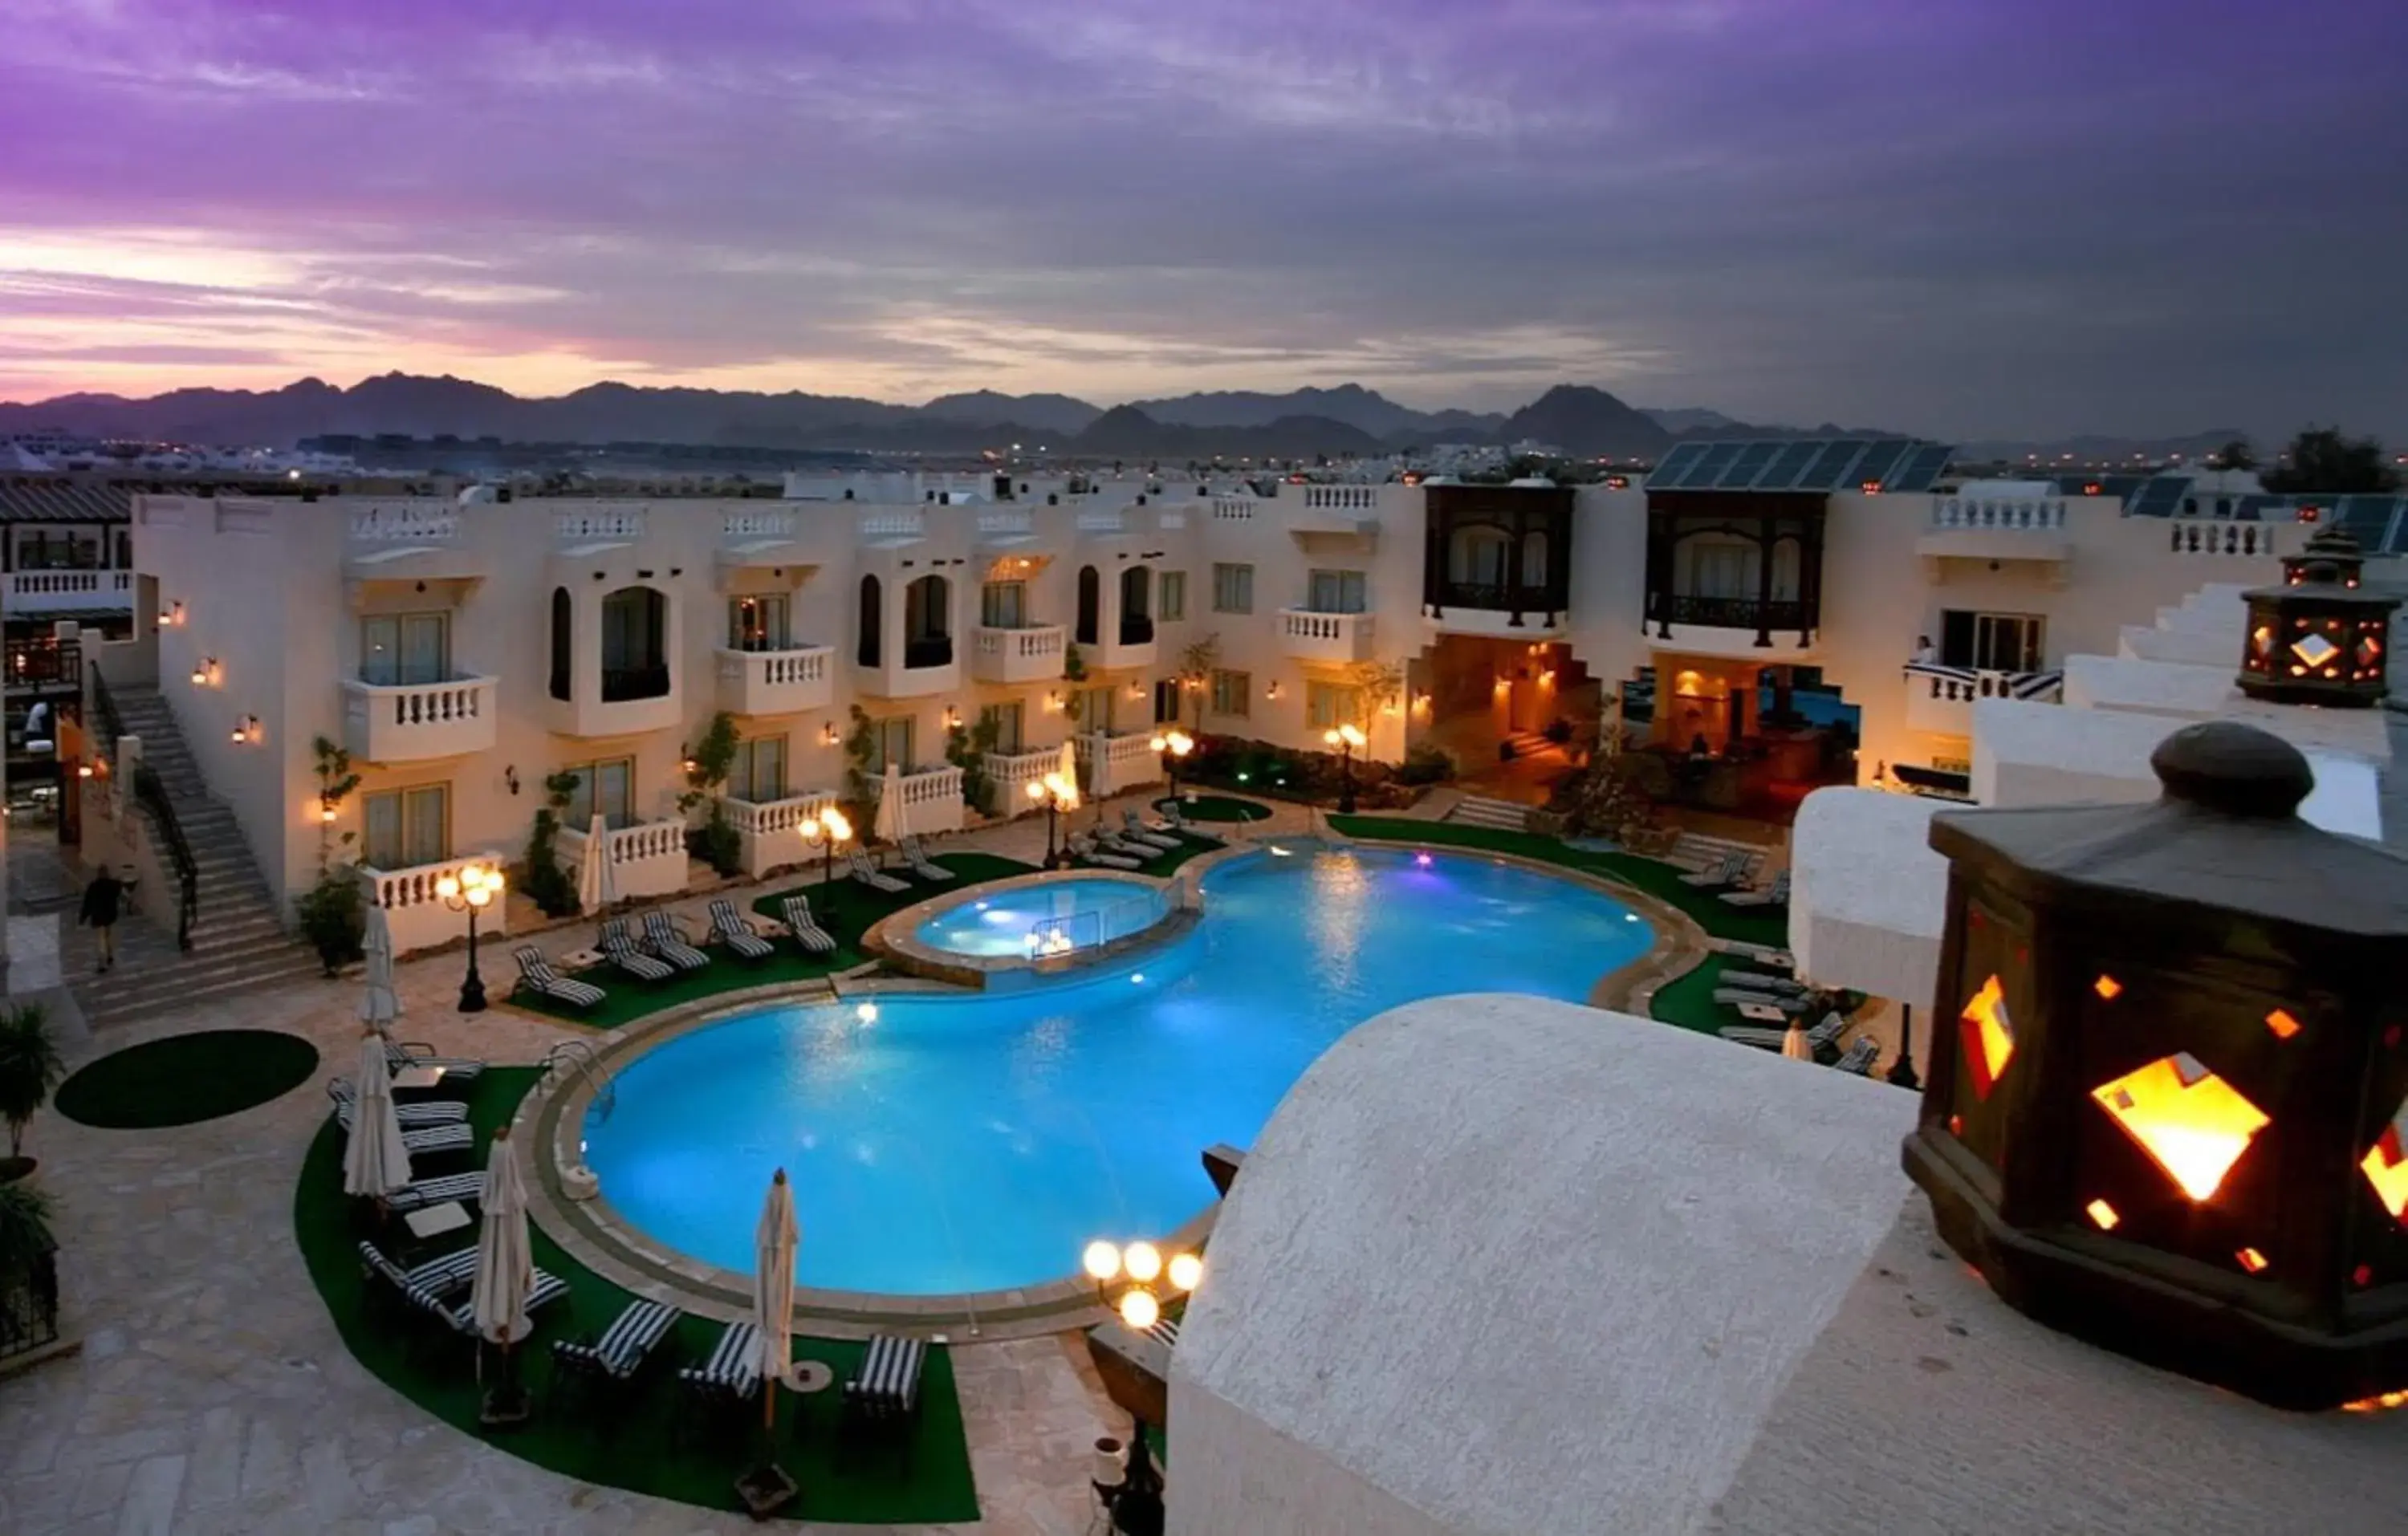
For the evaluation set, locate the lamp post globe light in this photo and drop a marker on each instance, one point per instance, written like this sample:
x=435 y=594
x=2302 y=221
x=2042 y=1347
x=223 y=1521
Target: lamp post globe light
x=823 y=831
x=1056 y=795
x=474 y=888
x=2166 y=1108
x=1349 y=740
x=1173 y=745
x=1133 y=1493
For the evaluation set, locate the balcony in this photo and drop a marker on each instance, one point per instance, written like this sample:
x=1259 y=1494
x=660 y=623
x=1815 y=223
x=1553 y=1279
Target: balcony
x=617 y=701
x=414 y=908
x=1127 y=645
x=34 y=592
x=1495 y=608
x=589 y=533
x=1986 y=528
x=782 y=682
x=1939 y=699
x=932 y=800
x=418 y=722
x=1339 y=638
x=1128 y=761
x=767 y=829
x=1017 y=656
x=645 y=860
x=1779 y=629
x=413 y=540
x=1009 y=774
x=927 y=667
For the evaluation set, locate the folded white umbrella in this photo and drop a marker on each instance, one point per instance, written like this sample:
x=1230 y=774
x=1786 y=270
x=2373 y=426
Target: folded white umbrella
x=505 y=1276
x=1068 y=768
x=596 y=888
x=892 y=824
x=774 y=1242
x=375 y=1161
x=1793 y=1043
x=381 y=1004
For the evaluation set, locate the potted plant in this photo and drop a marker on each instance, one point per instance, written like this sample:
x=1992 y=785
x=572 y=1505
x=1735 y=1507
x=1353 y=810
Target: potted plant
x=334 y=917
x=28 y=1278
x=30 y=1068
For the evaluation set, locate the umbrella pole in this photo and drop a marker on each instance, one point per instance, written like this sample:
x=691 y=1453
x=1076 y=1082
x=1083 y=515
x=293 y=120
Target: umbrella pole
x=506 y=1404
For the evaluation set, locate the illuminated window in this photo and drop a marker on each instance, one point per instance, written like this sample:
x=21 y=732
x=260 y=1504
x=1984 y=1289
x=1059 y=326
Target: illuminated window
x=2385 y=1166
x=2284 y=1025
x=2192 y=1123
x=1990 y=1035
x=2103 y=1214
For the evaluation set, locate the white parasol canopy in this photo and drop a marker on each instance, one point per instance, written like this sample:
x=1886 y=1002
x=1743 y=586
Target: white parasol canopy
x=1099 y=772
x=381 y=1004
x=774 y=1243
x=892 y=826
x=598 y=886
x=1068 y=768
x=505 y=1276
x=375 y=1160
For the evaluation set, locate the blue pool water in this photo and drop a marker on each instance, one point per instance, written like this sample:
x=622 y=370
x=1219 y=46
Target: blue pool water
x=1078 y=913
x=956 y=1143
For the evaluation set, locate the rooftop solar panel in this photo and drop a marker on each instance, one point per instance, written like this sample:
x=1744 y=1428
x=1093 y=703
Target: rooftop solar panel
x=1741 y=474
x=1709 y=468
x=1830 y=466
x=1678 y=461
x=1880 y=459
x=1921 y=468
x=2396 y=540
x=2367 y=518
x=2260 y=509
x=2159 y=496
x=1788 y=464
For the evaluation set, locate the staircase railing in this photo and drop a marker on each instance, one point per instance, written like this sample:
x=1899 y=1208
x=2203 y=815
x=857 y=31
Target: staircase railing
x=151 y=791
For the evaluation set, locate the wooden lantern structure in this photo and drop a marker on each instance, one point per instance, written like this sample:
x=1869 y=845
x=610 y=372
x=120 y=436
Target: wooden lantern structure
x=2318 y=637
x=2172 y=1114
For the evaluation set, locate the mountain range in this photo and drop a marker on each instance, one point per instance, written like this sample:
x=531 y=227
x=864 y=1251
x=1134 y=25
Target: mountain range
x=1350 y=419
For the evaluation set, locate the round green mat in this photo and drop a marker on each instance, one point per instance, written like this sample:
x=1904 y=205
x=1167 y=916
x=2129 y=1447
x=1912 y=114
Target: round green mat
x=1220 y=808
x=186 y=1079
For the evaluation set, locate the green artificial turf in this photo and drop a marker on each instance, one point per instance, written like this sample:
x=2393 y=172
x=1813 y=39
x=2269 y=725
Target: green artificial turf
x=1690 y=1000
x=1219 y=807
x=186 y=1079
x=921 y=1475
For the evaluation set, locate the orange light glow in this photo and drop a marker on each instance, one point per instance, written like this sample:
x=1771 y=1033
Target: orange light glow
x=2251 y=1259
x=2378 y=1403
x=2108 y=988
x=2103 y=1214
x=2284 y=1025
x=1990 y=1035
x=2195 y=1124
x=2385 y=1166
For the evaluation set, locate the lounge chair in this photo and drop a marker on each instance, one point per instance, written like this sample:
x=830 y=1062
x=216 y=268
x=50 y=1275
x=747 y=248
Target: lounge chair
x=1823 y=1036
x=1765 y=1011
x=886 y=1389
x=732 y=931
x=1084 y=849
x=1726 y=870
x=434 y=1280
x=1178 y=822
x=444 y=1112
x=536 y=975
x=806 y=929
x=726 y=1380
x=1858 y=1062
x=466 y=1188
x=614 y=1360
x=618 y=947
x=1739 y=997
x=400 y=1054
x=858 y=864
x=926 y=869
x=1774 y=895
x=666 y=941
x=1134 y=830
x=1759 y=981
x=426 y=1139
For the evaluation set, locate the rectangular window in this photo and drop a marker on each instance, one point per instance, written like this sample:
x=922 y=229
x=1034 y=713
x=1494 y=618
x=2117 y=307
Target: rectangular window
x=759 y=623
x=1330 y=705
x=1233 y=692
x=1990 y=642
x=1092 y=707
x=1170 y=600
x=891 y=744
x=758 y=774
x=1336 y=592
x=1006 y=721
x=1165 y=702
x=1004 y=605
x=606 y=788
x=405 y=648
x=1721 y=570
x=407 y=827
x=1233 y=589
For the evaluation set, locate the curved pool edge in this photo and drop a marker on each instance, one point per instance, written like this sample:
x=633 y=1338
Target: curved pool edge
x=895 y=938
x=550 y=1120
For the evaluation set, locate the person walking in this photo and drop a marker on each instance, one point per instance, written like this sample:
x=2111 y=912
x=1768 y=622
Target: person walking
x=104 y=899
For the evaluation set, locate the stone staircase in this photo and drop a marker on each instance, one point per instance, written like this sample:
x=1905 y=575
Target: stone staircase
x=1481 y=810
x=237 y=944
x=1531 y=744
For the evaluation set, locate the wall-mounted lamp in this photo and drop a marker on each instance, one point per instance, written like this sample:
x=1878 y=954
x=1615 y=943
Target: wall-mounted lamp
x=952 y=716
x=208 y=674
x=1271 y=692
x=1421 y=704
x=246 y=730
x=1052 y=703
x=327 y=811
x=828 y=737
x=1137 y=689
x=83 y=771
x=511 y=776
x=172 y=614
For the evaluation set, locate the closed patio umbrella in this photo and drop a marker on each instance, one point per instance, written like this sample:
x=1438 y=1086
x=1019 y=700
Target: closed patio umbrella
x=1069 y=769
x=774 y=1242
x=497 y=1296
x=1099 y=772
x=381 y=1005
x=1793 y=1043
x=893 y=825
x=596 y=887
x=375 y=1161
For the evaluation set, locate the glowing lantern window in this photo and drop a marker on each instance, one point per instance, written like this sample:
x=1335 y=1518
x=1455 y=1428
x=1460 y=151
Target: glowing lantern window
x=2187 y=1118
x=2385 y=1166
x=2316 y=650
x=2103 y=1214
x=1989 y=1036
x=2251 y=1260
x=2284 y=1025
x=2108 y=988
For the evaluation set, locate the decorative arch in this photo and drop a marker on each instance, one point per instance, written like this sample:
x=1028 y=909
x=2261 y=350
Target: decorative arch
x=928 y=621
x=1091 y=605
x=866 y=651
x=635 y=644
x=1137 y=602
x=564 y=643
x=1477 y=555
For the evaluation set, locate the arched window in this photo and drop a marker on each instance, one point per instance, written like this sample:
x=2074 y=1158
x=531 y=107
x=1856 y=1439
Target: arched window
x=1091 y=603
x=1136 y=589
x=927 y=621
x=563 y=629
x=872 y=622
x=1534 y=558
x=1476 y=556
x=635 y=644
x=1716 y=564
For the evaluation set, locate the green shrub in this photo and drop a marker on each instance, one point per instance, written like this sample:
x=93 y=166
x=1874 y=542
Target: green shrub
x=30 y=1067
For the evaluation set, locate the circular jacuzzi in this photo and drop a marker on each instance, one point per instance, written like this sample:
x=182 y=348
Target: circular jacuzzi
x=1044 y=917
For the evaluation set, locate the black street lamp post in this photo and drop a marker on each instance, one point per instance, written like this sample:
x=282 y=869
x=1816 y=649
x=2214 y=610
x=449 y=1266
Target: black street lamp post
x=476 y=887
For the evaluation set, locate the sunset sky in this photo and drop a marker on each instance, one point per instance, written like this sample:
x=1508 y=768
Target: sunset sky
x=1949 y=216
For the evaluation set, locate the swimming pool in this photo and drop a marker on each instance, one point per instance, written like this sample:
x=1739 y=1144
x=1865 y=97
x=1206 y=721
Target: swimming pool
x=943 y=1144
x=1043 y=919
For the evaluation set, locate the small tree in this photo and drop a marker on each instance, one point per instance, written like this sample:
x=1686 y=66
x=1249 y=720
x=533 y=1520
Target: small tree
x=546 y=884
x=716 y=842
x=333 y=913
x=30 y=1067
x=1197 y=661
x=2236 y=454
x=966 y=747
x=1376 y=685
x=2321 y=461
x=860 y=745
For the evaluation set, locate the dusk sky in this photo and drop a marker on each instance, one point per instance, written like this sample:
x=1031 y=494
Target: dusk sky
x=1968 y=217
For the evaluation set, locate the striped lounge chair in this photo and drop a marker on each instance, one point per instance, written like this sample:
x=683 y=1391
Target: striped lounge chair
x=1083 y=848
x=425 y=1140
x=886 y=1389
x=1177 y=821
x=857 y=864
x=466 y=1188
x=613 y=1360
x=724 y=1383
x=1858 y=1061
x=1727 y=871
x=1774 y=895
x=618 y=947
x=667 y=941
x=1134 y=830
x=926 y=869
x=536 y=975
x=806 y=929
x=429 y=1287
x=441 y=1112
x=400 y=1054
x=1125 y=847
x=731 y=930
